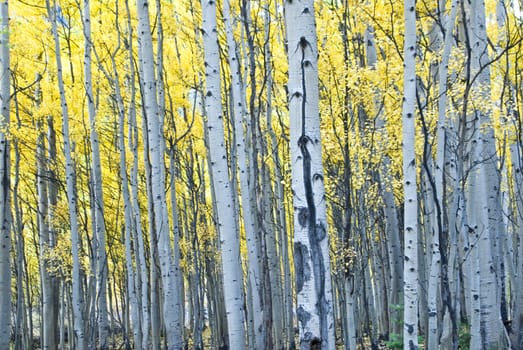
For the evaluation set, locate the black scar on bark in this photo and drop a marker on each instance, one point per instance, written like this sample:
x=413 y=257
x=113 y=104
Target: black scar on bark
x=410 y=328
x=303 y=216
x=303 y=316
x=321 y=232
x=301 y=267
x=316 y=344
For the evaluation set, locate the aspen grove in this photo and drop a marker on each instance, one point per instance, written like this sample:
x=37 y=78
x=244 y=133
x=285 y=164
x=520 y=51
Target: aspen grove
x=269 y=174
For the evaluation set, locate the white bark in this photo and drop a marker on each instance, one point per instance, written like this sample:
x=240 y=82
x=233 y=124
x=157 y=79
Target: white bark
x=449 y=320
x=5 y=216
x=47 y=240
x=350 y=301
x=77 y=302
x=484 y=165
x=517 y=323
x=272 y=237
x=149 y=309
x=410 y=330
x=154 y=288
x=178 y=277
x=96 y=173
x=161 y=221
x=311 y=242
x=249 y=219
x=48 y=300
x=133 y=276
x=434 y=278
x=142 y=272
x=393 y=242
x=223 y=190
x=473 y=270
x=128 y=227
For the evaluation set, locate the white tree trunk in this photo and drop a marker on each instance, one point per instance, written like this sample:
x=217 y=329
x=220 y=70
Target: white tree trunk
x=223 y=190
x=77 y=302
x=249 y=219
x=96 y=173
x=311 y=242
x=449 y=320
x=133 y=275
x=5 y=216
x=484 y=167
x=171 y=316
x=178 y=275
x=48 y=299
x=128 y=228
x=517 y=323
x=410 y=269
x=433 y=260
x=46 y=234
x=142 y=272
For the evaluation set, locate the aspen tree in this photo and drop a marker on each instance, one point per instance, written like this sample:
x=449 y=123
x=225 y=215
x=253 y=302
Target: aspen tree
x=449 y=335
x=48 y=301
x=23 y=335
x=155 y=271
x=128 y=228
x=410 y=267
x=134 y=275
x=157 y=181
x=102 y=321
x=177 y=239
x=221 y=183
x=139 y=245
x=77 y=298
x=486 y=196
x=311 y=241
x=152 y=114
x=249 y=217
x=517 y=324
x=5 y=216
x=176 y=273
x=395 y=254
x=47 y=237
x=272 y=235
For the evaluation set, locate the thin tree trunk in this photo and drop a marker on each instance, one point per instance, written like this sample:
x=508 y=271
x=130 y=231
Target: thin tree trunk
x=23 y=337
x=223 y=194
x=249 y=218
x=99 y=220
x=152 y=114
x=5 y=217
x=178 y=276
x=77 y=302
x=268 y=198
x=517 y=323
x=129 y=226
x=486 y=200
x=410 y=269
x=449 y=277
x=142 y=283
x=46 y=239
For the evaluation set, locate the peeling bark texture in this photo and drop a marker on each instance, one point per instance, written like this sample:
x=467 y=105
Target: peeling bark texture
x=313 y=280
